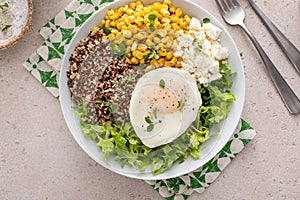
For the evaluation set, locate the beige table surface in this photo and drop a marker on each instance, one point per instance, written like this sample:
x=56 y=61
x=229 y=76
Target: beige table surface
x=39 y=159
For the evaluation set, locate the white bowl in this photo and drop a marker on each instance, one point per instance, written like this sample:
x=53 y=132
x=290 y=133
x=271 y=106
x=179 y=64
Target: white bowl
x=212 y=146
x=22 y=10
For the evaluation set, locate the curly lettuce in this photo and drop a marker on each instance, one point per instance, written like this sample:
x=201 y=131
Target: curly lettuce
x=121 y=142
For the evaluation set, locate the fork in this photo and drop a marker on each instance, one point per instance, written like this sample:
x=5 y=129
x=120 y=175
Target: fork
x=233 y=14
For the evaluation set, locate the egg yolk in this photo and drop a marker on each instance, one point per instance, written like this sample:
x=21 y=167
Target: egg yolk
x=165 y=99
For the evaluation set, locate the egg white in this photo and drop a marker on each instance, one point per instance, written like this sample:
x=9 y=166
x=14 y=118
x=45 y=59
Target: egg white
x=171 y=107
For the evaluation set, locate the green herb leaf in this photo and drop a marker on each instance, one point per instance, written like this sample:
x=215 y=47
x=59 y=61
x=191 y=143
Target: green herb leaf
x=152 y=17
x=155 y=113
x=107 y=31
x=206 y=20
x=106 y=1
x=141 y=67
x=99 y=100
x=148 y=120
x=152 y=47
x=4 y=5
x=128 y=81
x=198 y=44
x=118 y=50
x=5 y=27
x=113 y=107
x=152 y=28
x=181 y=104
x=162 y=83
x=150 y=127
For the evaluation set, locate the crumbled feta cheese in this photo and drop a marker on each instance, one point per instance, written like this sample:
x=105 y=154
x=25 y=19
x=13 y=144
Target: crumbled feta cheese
x=195 y=24
x=201 y=51
x=212 y=31
x=219 y=52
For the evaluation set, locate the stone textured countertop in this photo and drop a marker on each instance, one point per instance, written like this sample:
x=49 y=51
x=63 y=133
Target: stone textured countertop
x=39 y=159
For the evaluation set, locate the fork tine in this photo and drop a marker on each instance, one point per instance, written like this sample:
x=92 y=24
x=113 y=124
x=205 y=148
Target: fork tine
x=230 y=4
x=236 y=3
x=220 y=8
x=224 y=5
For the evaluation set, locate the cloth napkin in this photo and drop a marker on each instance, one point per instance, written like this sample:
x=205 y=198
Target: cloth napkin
x=44 y=64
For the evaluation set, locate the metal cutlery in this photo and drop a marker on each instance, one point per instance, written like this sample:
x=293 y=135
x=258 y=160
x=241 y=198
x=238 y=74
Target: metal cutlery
x=288 y=48
x=233 y=14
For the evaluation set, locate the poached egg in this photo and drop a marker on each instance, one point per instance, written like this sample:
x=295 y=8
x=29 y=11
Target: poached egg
x=164 y=103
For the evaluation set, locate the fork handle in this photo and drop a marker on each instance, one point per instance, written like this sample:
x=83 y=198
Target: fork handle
x=288 y=48
x=287 y=94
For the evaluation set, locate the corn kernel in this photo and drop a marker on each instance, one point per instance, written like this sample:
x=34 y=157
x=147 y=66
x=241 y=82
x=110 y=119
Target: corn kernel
x=162 y=53
x=114 y=16
x=142 y=61
x=110 y=12
x=157 y=24
x=124 y=28
x=173 y=60
x=139 y=8
x=134 y=61
x=129 y=42
x=96 y=28
x=129 y=11
x=139 y=55
x=156 y=40
x=107 y=23
x=169 y=44
x=139 y=21
x=178 y=12
x=114 y=31
x=120 y=25
x=178 y=65
x=175 y=19
x=127 y=33
x=154 y=62
x=139 y=3
x=168 y=64
x=161 y=61
x=111 y=37
x=141 y=35
x=182 y=24
x=119 y=36
x=169 y=55
x=172 y=10
x=149 y=68
x=132 y=5
x=149 y=42
x=165 y=20
x=113 y=24
x=142 y=47
x=168 y=2
x=164 y=12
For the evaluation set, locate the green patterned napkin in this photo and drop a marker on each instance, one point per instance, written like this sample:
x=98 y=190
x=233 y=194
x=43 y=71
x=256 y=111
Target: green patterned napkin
x=44 y=64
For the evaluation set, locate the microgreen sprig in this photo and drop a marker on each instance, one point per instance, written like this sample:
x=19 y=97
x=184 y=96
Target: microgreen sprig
x=181 y=104
x=118 y=50
x=162 y=83
x=206 y=20
x=198 y=44
x=153 y=54
x=152 y=18
x=4 y=5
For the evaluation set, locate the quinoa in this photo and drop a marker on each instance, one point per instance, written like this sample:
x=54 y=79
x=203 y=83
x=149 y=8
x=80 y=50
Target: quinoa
x=104 y=80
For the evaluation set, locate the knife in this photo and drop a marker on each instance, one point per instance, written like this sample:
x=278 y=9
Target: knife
x=288 y=48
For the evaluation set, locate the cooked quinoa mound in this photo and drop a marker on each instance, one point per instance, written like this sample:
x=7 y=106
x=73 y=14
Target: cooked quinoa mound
x=102 y=79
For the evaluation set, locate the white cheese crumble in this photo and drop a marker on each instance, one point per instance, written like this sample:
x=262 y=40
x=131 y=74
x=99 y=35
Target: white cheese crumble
x=201 y=51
